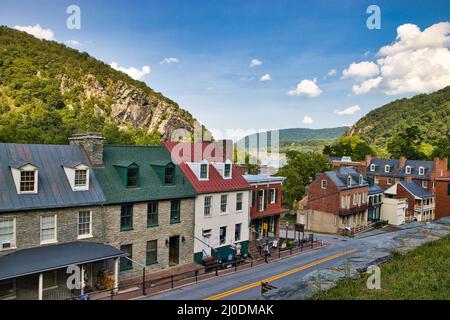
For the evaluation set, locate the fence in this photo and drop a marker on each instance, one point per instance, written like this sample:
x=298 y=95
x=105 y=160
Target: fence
x=154 y=286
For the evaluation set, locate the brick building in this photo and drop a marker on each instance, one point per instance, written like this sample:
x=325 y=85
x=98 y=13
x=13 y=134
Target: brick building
x=336 y=201
x=442 y=197
x=265 y=205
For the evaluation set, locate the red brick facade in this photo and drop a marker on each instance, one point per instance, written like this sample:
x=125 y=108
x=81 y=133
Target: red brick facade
x=442 y=198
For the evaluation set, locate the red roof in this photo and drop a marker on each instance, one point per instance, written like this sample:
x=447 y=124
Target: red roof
x=212 y=152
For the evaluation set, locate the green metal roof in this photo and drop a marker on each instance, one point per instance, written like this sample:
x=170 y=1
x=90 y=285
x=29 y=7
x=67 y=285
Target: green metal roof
x=150 y=185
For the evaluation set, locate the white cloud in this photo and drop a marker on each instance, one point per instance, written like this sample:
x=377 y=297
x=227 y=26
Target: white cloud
x=332 y=72
x=169 y=61
x=416 y=62
x=361 y=70
x=265 y=77
x=367 y=85
x=348 y=111
x=307 y=120
x=133 y=72
x=38 y=31
x=73 y=43
x=307 y=88
x=255 y=62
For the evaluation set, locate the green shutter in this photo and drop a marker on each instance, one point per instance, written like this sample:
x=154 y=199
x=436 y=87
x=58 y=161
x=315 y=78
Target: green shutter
x=253 y=198
x=276 y=195
x=266 y=198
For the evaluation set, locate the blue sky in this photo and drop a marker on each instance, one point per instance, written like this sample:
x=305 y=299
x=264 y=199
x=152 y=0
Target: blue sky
x=214 y=42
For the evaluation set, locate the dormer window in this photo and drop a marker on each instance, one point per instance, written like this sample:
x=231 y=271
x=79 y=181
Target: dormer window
x=169 y=174
x=204 y=171
x=408 y=170
x=387 y=168
x=77 y=174
x=81 y=178
x=349 y=181
x=324 y=184
x=132 y=177
x=421 y=171
x=372 y=167
x=227 y=170
x=27 y=181
x=361 y=179
x=25 y=177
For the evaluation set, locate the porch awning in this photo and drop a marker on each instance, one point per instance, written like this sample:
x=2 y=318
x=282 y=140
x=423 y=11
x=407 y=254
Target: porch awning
x=42 y=259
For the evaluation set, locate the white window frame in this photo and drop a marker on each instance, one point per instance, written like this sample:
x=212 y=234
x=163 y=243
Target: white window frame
x=14 y=238
x=324 y=184
x=421 y=171
x=372 y=167
x=389 y=181
x=272 y=199
x=349 y=181
x=424 y=184
x=80 y=186
x=205 y=207
x=242 y=201
x=361 y=179
x=204 y=163
x=408 y=170
x=376 y=180
x=228 y=162
x=224 y=196
x=55 y=239
x=387 y=168
x=88 y=235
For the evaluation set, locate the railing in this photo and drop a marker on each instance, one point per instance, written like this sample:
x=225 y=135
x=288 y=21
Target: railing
x=348 y=211
x=154 y=286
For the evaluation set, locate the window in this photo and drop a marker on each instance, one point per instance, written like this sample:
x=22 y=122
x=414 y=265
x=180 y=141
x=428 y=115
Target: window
x=50 y=280
x=227 y=170
x=237 y=232
x=48 y=229
x=408 y=170
x=375 y=179
x=152 y=214
x=324 y=184
x=207 y=206
x=421 y=171
x=204 y=171
x=223 y=235
x=206 y=233
x=448 y=189
x=152 y=252
x=132 y=177
x=223 y=203
x=126 y=264
x=126 y=217
x=260 y=200
x=169 y=175
x=424 y=184
x=80 y=178
x=361 y=179
x=372 y=167
x=349 y=180
x=175 y=211
x=7 y=234
x=27 y=181
x=389 y=181
x=253 y=198
x=239 y=202
x=272 y=194
x=84 y=224
x=387 y=168
x=7 y=289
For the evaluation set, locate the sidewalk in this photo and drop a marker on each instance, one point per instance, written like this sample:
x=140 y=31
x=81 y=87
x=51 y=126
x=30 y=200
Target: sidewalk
x=156 y=284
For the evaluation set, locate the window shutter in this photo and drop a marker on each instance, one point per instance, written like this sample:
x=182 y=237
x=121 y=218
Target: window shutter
x=253 y=198
x=266 y=198
x=276 y=195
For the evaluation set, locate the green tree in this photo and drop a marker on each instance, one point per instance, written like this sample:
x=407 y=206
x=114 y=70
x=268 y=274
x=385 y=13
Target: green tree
x=407 y=144
x=351 y=146
x=299 y=171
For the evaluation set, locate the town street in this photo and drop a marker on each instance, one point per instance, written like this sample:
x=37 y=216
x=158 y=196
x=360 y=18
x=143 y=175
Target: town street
x=246 y=284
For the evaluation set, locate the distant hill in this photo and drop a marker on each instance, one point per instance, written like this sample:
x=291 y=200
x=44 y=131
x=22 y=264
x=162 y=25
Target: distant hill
x=49 y=91
x=430 y=112
x=301 y=139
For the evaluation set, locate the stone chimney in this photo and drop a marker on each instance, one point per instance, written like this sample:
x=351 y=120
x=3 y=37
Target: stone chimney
x=92 y=144
x=402 y=161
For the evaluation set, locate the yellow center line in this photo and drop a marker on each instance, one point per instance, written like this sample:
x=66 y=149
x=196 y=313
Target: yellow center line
x=278 y=276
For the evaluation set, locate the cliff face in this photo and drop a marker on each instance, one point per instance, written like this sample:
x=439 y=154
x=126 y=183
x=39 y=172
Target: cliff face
x=49 y=91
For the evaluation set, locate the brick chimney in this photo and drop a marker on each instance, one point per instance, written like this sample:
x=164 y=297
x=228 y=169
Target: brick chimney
x=440 y=167
x=92 y=144
x=368 y=159
x=402 y=161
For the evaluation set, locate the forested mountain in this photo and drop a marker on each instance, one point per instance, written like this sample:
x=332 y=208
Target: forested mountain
x=430 y=113
x=49 y=91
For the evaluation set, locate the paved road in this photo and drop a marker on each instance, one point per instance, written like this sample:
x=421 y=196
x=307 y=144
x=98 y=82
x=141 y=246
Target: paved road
x=246 y=284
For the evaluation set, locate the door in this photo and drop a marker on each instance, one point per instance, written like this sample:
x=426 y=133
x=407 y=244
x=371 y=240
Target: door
x=174 y=250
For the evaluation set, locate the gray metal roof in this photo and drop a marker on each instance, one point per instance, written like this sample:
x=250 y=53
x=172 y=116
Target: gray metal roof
x=262 y=178
x=47 y=258
x=416 y=190
x=341 y=174
x=397 y=171
x=54 y=190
